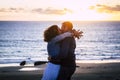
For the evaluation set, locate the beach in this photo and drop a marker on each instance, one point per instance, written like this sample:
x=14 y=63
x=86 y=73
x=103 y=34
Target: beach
x=86 y=70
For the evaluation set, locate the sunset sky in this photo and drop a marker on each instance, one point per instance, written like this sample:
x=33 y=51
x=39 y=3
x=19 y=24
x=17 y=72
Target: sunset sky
x=40 y=10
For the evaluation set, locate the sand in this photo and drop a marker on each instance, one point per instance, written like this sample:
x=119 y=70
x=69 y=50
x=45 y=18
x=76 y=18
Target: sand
x=87 y=70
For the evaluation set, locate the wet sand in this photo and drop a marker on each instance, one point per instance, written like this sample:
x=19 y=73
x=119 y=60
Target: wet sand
x=86 y=71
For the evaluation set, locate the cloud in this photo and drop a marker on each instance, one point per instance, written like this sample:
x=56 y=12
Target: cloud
x=11 y=10
x=105 y=9
x=52 y=11
x=38 y=10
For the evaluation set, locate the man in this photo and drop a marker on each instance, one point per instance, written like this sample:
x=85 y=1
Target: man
x=67 y=53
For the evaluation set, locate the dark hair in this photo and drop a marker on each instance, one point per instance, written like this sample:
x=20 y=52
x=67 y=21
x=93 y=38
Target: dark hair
x=50 y=33
x=68 y=24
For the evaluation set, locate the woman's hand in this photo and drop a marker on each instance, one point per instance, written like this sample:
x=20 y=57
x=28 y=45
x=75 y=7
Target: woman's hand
x=49 y=58
x=77 y=33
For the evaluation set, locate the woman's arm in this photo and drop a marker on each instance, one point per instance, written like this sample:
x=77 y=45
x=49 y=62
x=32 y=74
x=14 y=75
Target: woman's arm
x=61 y=37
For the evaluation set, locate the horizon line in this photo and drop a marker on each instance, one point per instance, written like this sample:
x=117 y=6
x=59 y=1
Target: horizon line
x=62 y=20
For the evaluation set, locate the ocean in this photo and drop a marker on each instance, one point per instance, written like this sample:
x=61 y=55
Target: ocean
x=23 y=40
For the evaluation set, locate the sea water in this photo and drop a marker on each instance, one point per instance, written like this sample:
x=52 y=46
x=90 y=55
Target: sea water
x=23 y=40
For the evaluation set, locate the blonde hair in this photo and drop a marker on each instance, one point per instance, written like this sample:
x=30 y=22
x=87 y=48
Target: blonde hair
x=68 y=24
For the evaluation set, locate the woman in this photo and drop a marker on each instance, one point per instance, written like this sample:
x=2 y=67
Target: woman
x=53 y=36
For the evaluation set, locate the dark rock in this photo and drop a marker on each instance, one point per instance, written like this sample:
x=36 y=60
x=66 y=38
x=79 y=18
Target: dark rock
x=22 y=63
x=39 y=63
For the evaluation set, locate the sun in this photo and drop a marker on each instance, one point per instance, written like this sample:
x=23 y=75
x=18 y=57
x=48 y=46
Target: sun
x=85 y=15
x=81 y=11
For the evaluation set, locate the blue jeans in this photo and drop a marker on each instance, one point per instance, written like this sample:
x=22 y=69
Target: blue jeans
x=51 y=72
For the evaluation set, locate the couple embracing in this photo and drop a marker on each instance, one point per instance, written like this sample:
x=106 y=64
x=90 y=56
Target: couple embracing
x=61 y=50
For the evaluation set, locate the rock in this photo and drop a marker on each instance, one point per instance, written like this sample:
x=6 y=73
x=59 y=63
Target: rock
x=22 y=63
x=39 y=63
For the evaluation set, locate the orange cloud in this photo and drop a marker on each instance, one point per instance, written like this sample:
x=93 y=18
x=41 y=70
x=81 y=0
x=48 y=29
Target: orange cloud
x=105 y=9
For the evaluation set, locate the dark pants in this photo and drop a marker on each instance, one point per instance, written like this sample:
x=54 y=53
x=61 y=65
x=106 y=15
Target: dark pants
x=66 y=73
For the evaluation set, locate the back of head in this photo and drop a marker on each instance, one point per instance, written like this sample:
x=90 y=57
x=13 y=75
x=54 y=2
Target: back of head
x=67 y=24
x=50 y=33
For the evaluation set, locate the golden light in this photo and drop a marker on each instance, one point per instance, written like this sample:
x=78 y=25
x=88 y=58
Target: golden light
x=81 y=11
x=84 y=15
x=75 y=10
